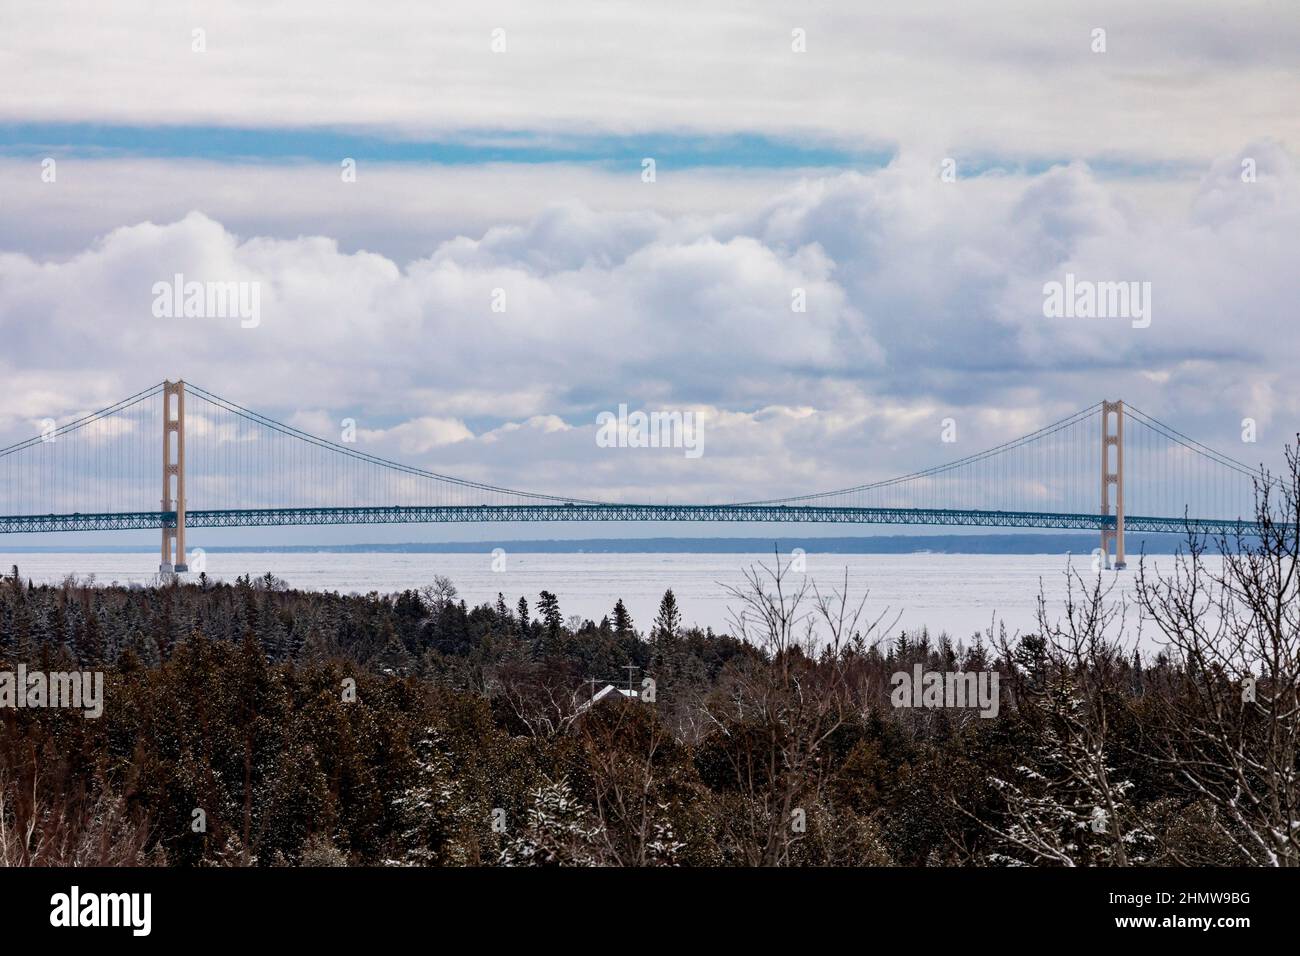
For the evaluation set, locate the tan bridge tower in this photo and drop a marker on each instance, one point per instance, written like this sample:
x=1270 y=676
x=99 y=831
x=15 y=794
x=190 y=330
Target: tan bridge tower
x=1112 y=476
x=173 y=538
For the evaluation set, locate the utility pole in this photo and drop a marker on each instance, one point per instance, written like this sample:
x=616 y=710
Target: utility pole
x=173 y=466
x=1112 y=438
x=630 y=668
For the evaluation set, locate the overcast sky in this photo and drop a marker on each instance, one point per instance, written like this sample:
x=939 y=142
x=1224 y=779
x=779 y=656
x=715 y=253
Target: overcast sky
x=776 y=169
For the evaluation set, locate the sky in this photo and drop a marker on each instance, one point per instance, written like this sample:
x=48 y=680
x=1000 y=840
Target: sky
x=917 y=173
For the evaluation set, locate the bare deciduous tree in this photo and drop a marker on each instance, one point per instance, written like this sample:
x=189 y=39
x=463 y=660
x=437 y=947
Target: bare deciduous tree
x=1231 y=720
x=777 y=714
x=1068 y=805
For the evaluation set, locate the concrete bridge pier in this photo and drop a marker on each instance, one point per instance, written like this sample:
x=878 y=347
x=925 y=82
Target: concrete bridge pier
x=173 y=539
x=1112 y=476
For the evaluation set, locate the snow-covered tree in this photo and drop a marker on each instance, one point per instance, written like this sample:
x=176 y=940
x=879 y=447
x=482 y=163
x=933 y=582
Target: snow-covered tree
x=556 y=833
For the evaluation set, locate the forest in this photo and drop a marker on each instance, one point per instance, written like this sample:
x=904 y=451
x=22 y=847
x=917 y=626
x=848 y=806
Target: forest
x=251 y=724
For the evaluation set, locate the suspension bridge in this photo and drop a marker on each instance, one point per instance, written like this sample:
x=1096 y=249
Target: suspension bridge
x=1108 y=468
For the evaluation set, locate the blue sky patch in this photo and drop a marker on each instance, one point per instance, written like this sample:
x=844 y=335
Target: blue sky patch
x=250 y=145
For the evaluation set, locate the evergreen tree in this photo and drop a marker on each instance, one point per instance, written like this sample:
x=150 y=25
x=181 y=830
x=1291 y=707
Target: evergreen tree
x=669 y=620
x=430 y=813
x=394 y=658
x=548 y=606
x=522 y=611
x=88 y=641
x=557 y=831
x=622 y=620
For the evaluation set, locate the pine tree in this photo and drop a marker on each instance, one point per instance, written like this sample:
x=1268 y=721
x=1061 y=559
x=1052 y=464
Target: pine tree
x=430 y=813
x=88 y=641
x=394 y=658
x=274 y=637
x=548 y=606
x=556 y=832
x=622 y=620
x=522 y=611
x=669 y=620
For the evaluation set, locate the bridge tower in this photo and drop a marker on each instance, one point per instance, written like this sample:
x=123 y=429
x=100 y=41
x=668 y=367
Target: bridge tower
x=1112 y=476
x=173 y=466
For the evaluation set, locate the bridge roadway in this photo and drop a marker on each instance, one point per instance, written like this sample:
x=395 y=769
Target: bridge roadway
x=755 y=513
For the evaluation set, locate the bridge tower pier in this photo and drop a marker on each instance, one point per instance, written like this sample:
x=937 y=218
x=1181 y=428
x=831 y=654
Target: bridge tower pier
x=1112 y=476
x=173 y=466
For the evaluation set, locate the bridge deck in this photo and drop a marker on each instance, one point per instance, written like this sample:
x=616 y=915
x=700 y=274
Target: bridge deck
x=774 y=514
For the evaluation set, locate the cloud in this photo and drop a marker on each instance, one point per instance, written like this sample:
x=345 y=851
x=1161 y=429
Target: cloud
x=400 y=211
x=924 y=301
x=1176 y=81
x=418 y=436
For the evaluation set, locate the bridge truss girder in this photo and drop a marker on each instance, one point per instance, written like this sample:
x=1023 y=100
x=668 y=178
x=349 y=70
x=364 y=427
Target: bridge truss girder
x=761 y=514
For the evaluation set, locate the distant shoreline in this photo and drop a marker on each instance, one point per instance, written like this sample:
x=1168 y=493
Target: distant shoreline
x=882 y=544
